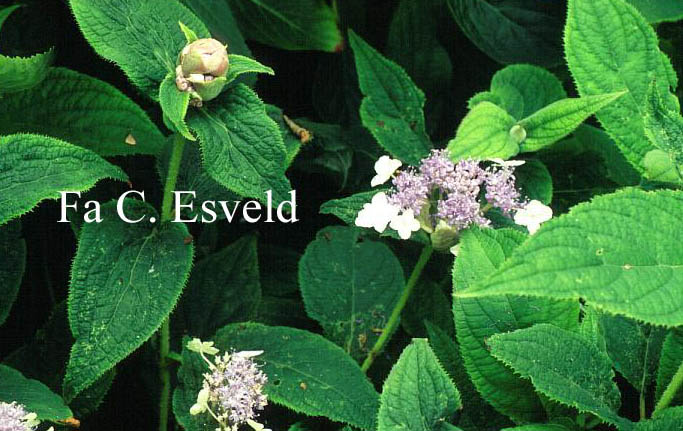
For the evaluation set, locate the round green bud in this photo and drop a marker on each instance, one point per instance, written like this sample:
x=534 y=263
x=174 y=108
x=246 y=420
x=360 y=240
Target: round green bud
x=444 y=236
x=518 y=133
x=204 y=57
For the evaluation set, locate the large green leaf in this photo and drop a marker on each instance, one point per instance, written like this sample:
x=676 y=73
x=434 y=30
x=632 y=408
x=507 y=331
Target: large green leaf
x=141 y=36
x=565 y=367
x=125 y=280
x=223 y=288
x=239 y=65
x=34 y=168
x=81 y=110
x=350 y=287
x=293 y=25
x=666 y=420
x=306 y=373
x=557 y=120
x=392 y=107
x=620 y=252
x=659 y=10
x=486 y=132
x=513 y=31
x=21 y=73
x=608 y=45
x=418 y=395
x=12 y=264
x=241 y=146
x=174 y=104
x=670 y=360
x=476 y=319
x=664 y=129
x=35 y=396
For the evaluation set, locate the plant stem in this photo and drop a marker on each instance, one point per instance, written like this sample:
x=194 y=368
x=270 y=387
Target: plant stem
x=165 y=331
x=395 y=317
x=670 y=391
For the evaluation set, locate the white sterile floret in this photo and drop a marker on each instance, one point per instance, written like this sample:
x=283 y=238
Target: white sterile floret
x=405 y=224
x=385 y=167
x=377 y=214
x=199 y=346
x=202 y=403
x=532 y=215
x=257 y=426
x=507 y=163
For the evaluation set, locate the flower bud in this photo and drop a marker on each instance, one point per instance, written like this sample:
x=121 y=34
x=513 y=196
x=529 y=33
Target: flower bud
x=204 y=57
x=444 y=236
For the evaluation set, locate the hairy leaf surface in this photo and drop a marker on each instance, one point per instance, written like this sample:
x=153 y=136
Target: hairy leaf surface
x=174 y=103
x=35 y=396
x=21 y=73
x=34 y=168
x=670 y=360
x=125 y=280
x=485 y=133
x=659 y=10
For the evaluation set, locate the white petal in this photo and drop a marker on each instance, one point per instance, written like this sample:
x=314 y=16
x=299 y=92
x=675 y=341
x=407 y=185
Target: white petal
x=507 y=163
x=385 y=167
x=532 y=215
x=255 y=425
x=197 y=409
x=249 y=353
x=364 y=217
x=405 y=224
x=203 y=396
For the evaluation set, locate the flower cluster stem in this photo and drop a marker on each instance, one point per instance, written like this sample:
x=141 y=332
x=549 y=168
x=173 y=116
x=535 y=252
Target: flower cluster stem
x=395 y=317
x=165 y=331
x=670 y=391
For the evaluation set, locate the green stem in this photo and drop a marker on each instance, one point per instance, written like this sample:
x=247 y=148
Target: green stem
x=670 y=391
x=395 y=317
x=165 y=331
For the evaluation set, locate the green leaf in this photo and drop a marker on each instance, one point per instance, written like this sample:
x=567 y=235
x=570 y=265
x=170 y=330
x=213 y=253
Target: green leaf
x=565 y=367
x=620 y=252
x=485 y=133
x=241 y=146
x=476 y=319
x=664 y=129
x=608 y=47
x=34 y=168
x=22 y=73
x=669 y=362
x=35 y=396
x=534 y=181
x=539 y=427
x=667 y=420
x=524 y=89
x=224 y=288
x=659 y=10
x=221 y=23
x=418 y=395
x=239 y=65
x=190 y=35
x=125 y=280
x=559 y=119
x=12 y=265
x=141 y=36
x=350 y=287
x=633 y=348
x=392 y=107
x=6 y=11
x=81 y=110
x=519 y=31
x=174 y=104
x=306 y=373
x=292 y=25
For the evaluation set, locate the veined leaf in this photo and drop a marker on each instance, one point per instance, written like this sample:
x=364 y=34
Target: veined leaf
x=141 y=36
x=559 y=119
x=221 y=23
x=350 y=287
x=664 y=129
x=524 y=89
x=293 y=25
x=669 y=362
x=125 y=280
x=392 y=107
x=224 y=288
x=670 y=419
x=239 y=65
x=84 y=111
x=519 y=31
x=476 y=319
x=620 y=252
x=563 y=366
x=35 y=396
x=486 y=132
x=174 y=103
x=306 y=373
x=21 y=73
x=241 y=146
x=608 y=45
x=34 y=168
x=418 y=395
x=659 y=10
x=12 y=264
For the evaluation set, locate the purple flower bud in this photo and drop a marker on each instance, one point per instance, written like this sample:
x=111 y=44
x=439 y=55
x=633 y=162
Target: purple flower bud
x=501 y=191
x=13 y=417
x=411 y=191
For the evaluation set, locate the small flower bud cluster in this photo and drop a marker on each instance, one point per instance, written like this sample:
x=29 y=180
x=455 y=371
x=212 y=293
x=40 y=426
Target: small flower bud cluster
x=443 y=197
x=201 y=70
x=14 y=417
x=232 y=392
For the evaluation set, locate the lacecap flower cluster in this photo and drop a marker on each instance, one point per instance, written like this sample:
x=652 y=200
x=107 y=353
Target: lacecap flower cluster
x=443 y=197
x=14 y=417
